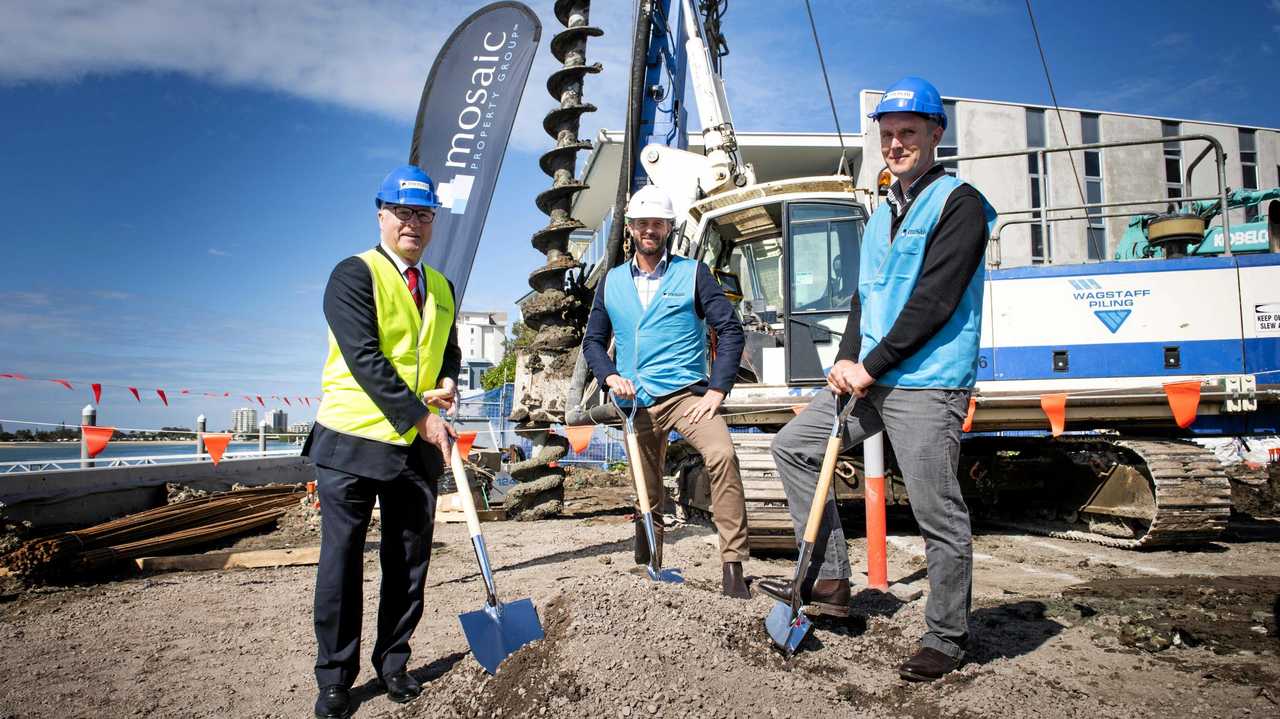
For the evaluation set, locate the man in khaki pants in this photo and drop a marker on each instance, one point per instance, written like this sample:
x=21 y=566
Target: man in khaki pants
x=657 y=307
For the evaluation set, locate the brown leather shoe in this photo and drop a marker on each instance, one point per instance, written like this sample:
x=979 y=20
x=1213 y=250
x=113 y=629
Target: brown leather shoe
x=927 y=665
x=641 y=548
x=826 y=597
x=734 y=584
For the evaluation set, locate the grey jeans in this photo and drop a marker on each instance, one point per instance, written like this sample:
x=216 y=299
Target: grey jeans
x=923 y=426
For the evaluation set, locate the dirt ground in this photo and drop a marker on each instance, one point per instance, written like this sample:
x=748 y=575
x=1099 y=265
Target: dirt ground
x=1060 y=629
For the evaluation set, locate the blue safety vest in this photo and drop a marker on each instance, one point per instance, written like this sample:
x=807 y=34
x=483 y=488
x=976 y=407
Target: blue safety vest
x=661 y=348
x=887 y=274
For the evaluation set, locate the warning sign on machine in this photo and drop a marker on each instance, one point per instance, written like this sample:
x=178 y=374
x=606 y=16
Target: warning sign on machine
x=1267 y=318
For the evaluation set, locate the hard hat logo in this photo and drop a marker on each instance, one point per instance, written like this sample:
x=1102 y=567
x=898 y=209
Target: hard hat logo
x=414 y=185
x=912 y=94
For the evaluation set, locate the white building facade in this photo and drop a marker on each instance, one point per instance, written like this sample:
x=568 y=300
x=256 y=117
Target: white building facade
x=244 y=419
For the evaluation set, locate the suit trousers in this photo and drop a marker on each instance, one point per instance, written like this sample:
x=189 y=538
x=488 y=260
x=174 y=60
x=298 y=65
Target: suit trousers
x=407 y=512
x=711 y=438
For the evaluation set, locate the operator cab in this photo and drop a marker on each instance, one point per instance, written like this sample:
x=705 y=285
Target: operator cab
x=786 y=255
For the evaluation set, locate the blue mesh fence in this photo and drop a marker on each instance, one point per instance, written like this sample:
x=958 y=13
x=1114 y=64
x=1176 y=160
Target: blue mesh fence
x=488 y=413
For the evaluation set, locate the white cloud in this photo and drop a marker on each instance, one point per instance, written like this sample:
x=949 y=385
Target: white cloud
x=1172 y=39
x=111 y=295
x=218 y=253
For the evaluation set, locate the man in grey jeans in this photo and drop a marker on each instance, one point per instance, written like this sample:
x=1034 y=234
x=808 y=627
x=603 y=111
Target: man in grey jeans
x=909 y=356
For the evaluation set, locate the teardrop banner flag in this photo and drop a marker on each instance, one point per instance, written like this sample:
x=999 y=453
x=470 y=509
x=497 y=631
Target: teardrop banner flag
x=1055 y=408
x=163 y=398
x=96 y=438
x=216 y=444
x=464 y=120
x=579 y=436
x=136 y=396
x=1184 y=400
x=97 y=392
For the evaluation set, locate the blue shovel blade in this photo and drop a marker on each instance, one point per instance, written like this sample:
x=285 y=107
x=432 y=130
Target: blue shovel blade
x=785 y=632
x=496 y=633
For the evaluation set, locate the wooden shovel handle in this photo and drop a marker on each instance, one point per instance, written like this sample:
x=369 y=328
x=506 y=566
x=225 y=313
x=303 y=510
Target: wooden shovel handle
x=637 y=472
x=823 y=488
x=464 y=490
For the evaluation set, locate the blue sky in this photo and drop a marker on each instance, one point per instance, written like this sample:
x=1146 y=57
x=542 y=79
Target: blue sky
x=178 y=179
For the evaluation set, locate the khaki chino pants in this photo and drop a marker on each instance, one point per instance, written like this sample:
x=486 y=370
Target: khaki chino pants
x=711 y=438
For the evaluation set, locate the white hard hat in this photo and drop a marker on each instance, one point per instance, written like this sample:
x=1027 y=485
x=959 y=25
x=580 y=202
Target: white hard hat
x=650 y=201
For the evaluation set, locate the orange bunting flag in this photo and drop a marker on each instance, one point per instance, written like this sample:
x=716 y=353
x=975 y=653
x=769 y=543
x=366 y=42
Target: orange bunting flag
x=185 y=391
x=96 y=438
x=12 y=375
x=286 y=401
x=97 y=392
x=226 y=394
x=798 y=408
x=465 y=440
x=1055 y=408
x=136 y=396
x=968 y=418
x=62 y=382
x=579 y=436
x=162 y=396
x=216 y=444
x=247 y=398
x=264 y=404
x=1184 y=400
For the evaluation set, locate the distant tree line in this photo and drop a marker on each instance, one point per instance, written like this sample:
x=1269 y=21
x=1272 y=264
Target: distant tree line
x=64 y=433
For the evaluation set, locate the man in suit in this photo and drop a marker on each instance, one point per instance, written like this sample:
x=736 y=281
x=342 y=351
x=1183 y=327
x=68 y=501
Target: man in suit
x=391 y=338
x=657 y=308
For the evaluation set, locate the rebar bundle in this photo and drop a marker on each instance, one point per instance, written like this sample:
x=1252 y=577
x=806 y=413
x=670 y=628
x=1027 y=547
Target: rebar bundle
x=154 y=531
x=557 y=312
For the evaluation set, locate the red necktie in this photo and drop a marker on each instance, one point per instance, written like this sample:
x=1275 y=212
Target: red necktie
x=415 y=286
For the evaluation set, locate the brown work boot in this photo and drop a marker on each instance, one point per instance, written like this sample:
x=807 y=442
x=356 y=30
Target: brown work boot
x=641 y=548
x=826 y=597
x=734 y=584
x=927 y=665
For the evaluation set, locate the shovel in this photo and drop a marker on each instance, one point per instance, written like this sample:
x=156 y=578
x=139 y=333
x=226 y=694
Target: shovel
x=656 y=573
x=498 y=630
x=787 y=624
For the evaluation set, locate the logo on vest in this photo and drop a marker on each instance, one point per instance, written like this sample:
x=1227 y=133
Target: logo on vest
x=1111 y=306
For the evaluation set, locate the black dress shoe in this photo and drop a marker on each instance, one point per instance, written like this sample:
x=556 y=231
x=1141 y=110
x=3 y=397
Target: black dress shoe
x=927 y=665
x=401 y=687
x=734 y=584
x=334 y=702
x=825 y=597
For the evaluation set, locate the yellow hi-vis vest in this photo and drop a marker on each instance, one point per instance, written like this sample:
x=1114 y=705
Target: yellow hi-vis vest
x=413 y=343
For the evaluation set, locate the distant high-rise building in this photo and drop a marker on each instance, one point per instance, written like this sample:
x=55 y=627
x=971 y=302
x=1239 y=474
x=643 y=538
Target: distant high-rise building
x=278 y=421
x=244 y=419
x=481 y=335
x=300 y=428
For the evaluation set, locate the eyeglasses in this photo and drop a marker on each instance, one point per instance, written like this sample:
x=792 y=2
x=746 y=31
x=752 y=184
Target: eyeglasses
x=404 y=214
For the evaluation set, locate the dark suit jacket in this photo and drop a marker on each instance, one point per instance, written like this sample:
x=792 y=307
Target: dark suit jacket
x=352 y=316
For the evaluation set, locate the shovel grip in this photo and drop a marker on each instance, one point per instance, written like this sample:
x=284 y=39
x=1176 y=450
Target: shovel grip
x=464 y=490
x=823 y=489
x=637 y=472
x=437 y=394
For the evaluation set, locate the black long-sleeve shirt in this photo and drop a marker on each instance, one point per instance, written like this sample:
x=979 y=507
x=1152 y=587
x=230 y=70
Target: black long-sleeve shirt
x=351 y=314
x=709 y=303
x=952 y=253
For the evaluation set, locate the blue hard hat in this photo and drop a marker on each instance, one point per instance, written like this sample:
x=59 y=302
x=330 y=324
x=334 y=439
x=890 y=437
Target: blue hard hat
x=407 y=185
x=912 y=94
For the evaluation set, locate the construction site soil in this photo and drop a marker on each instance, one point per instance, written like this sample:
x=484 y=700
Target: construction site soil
x=1060 y=629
